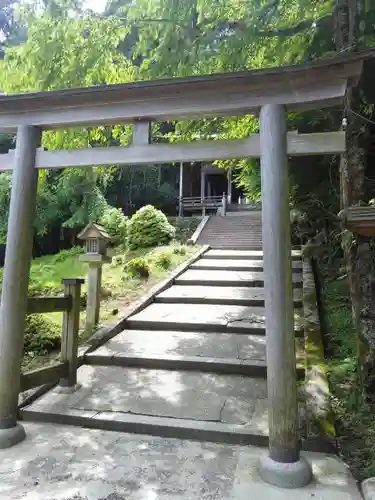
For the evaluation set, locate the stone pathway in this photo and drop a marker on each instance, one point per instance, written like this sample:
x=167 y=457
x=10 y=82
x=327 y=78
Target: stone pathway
x=182 y=390
x=58 y=462
x=192 y=364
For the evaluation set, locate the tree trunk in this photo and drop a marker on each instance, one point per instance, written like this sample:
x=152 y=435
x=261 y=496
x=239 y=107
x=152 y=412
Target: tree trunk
x=359 y=250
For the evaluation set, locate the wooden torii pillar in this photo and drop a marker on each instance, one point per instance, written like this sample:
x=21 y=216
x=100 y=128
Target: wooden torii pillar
x=284 y=466
x=272 y=91
x=16 y=280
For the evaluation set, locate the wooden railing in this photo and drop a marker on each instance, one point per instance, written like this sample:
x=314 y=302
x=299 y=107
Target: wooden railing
x=63 y=372
x=197 y=203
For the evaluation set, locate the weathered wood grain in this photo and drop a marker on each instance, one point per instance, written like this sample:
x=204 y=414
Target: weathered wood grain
x=46 y=375
x=39 y=305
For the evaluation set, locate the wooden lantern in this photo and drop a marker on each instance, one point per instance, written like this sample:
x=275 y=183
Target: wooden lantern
x=361 y=220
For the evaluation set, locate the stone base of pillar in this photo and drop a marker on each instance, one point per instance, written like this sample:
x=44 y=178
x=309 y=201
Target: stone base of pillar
x=11 y=436
x=68 y=389
x=293 y=475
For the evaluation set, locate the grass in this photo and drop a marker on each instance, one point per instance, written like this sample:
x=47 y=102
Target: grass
x=119 y=288
x=48 y=272
x=354 y=417
x=125 y=289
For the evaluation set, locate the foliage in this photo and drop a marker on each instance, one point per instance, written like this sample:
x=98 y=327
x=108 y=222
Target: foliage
x=115 y=222
x=342 y=341
x=41 y=335
x=163 y=260
x=211 y=36
x=83 y=51
x=354 y=416
x=62 y=51
x=137 y=268
x=5 y=185
x=149 y=227
x=134 y=186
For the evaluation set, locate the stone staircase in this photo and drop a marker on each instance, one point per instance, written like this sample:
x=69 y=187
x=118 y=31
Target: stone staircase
x=190 y=365
x=238 y=229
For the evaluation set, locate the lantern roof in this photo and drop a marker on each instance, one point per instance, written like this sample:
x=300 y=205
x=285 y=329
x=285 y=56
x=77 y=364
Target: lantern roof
x=93 y=230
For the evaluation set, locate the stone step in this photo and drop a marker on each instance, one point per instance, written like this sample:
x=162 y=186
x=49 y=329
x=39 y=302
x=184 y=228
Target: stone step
x=230 y=244
x=159 y=342
x=241 y=231
x=225 y=366
x=242 y=254
x=254 y=368
x=217 y=238
x=227 y=278
x=236 y=246
x=235 y=227
x=226 y=295
x=236 y=265
x=134 y=397
x=234 y=239
x=156 y=344
x=205 y=318
x=164 y=427
x=228 y=223
x=185 y=404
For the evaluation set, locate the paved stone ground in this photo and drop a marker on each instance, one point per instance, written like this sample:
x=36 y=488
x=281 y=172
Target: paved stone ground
x=66 y=463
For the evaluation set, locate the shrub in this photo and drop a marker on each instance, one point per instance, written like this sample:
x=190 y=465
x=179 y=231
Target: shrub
x=41 y=334
x=115 y=222
x=163 y=260
x=137 y=268
x=184 y=226
x=149 y=227
x=35 y=289
x=180 y=250
x=83 y=300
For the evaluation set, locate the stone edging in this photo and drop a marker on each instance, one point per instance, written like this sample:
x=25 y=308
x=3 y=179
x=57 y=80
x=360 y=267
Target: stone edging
x=317 y=390
x=193 y=239
x=107 y=332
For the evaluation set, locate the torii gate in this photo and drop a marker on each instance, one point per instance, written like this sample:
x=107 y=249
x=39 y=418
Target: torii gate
x=270 y=92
